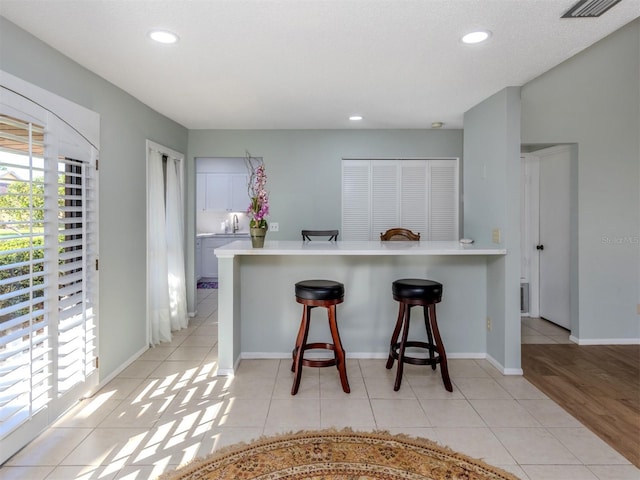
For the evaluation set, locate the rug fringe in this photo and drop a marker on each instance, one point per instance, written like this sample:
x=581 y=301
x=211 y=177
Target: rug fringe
x=346 y=431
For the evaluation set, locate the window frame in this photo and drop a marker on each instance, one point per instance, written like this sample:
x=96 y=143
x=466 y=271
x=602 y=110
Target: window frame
x=68 y=308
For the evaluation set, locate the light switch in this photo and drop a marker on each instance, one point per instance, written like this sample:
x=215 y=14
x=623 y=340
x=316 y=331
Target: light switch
x=496 y=235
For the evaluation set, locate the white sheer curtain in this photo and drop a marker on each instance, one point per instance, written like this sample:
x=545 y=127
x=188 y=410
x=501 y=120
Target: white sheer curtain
x=175 y=247
x=159 y=316
x=167 y=284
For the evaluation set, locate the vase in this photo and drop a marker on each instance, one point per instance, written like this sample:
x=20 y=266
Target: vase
x=257 y=236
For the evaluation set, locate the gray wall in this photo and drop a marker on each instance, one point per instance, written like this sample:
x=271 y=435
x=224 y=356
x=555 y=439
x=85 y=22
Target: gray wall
x=304 y=166
x=492 y=201
x=593 y=100
x=125 y=124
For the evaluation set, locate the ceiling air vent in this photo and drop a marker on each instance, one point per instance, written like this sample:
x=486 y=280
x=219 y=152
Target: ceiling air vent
x=589 y=8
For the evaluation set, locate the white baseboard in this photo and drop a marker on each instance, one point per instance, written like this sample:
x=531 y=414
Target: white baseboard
x=378 y=356
x=121 y=368
x=469 y=356
x=605 y=341
x=228 y=372
x=501 y=368
x=192 y=314
x=355 y=355
x=264 y=355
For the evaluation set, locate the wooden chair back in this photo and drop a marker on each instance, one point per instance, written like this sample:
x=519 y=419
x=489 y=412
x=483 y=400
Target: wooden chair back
x=399 y=234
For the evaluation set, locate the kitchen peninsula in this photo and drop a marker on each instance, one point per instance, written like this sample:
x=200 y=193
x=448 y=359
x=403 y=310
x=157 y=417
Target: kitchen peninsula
x=258 y=316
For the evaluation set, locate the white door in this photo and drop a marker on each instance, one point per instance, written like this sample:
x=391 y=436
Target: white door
x=554 y=246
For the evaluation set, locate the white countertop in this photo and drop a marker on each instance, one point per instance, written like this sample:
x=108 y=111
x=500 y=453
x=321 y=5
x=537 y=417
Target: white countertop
x=297 y=247
x=223 y=235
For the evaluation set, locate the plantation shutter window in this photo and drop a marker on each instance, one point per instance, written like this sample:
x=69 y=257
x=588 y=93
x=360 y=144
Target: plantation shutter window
x=48 y=277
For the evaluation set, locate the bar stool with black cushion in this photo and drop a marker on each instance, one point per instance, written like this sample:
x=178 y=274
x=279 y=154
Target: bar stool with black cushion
x=411 y=292
x=311 y=294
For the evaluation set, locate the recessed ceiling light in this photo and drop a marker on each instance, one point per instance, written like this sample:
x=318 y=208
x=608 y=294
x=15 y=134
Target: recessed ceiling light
x=355 y=118
x=163 y=36
x=476 y=37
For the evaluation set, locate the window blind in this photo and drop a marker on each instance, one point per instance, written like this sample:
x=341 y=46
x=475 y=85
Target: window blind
x=48 y=278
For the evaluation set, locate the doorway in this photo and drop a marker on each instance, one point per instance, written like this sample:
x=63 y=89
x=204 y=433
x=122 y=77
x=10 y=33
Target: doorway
x=549 y=241
x=166 y=280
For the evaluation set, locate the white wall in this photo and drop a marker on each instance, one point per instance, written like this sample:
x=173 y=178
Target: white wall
x=125 y=125
x=593 y=100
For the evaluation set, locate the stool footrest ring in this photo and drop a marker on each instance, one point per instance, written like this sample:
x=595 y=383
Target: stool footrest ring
x=395 y=353
x=317 y=362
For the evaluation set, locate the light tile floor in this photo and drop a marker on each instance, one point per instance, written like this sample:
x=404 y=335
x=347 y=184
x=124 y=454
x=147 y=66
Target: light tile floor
x=168 y=408
x=539 y=330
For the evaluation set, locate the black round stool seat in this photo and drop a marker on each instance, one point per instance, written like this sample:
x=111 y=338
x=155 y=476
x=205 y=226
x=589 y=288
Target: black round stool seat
x=319 y=290
x=312 y=294
x=417 y=289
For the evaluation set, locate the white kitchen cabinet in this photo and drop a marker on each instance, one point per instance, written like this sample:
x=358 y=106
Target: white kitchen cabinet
x=198 y=259
x=239 y=197
x=201 y=191
x=209 y=261
x=222 y=192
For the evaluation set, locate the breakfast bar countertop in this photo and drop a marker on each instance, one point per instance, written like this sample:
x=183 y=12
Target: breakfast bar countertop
x=223 y=235
x=293 y=247
x=255 y=295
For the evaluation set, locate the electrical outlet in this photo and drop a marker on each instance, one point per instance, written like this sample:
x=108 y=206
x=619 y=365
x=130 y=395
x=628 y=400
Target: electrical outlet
x=274 y=227
x=495 y=235
x=489 y=323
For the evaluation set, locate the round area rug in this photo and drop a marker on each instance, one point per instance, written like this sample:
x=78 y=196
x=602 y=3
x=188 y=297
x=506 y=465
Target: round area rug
x=338 y=455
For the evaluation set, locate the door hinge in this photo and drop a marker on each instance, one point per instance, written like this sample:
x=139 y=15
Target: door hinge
x=96 y=264
x=97 y=362
x=97 y=161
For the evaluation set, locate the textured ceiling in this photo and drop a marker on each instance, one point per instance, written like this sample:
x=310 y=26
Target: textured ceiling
x=280 y=64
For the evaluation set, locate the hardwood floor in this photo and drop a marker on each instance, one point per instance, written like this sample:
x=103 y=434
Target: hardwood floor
x=598 y=384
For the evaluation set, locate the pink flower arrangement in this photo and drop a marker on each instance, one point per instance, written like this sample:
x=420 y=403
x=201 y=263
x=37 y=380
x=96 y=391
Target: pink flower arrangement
x=259 y=206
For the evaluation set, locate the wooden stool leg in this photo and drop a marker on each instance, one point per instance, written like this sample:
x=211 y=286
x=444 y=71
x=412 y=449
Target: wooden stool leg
x=403 y=345
x=440 y=346
x=426 y=309
x=300 y=338
x=394 y=336
x=338 y=350
x=299 y=349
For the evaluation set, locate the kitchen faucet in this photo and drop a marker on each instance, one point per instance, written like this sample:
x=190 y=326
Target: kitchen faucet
x=236 y=225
